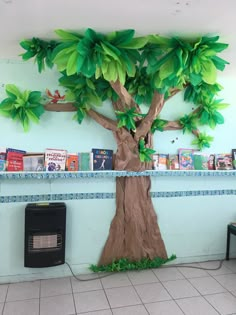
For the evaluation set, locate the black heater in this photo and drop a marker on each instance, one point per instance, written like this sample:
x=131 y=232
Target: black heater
x=45 y=233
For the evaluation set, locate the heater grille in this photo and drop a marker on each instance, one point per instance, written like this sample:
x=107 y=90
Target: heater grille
x=44 y=242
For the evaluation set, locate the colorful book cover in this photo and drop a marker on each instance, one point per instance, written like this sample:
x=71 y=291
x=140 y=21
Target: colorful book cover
x=102 y=159
x=85 y=161
x=186 y=159
x=211 y=162
x=234 y=158
x=3 y=155
x=72 y=162
x=155 y=161
x=33 y=162
x=14 y=160
x=223 y=161
x=173 y=162
x=200 y=161
x=162 y=165
x=55 y=160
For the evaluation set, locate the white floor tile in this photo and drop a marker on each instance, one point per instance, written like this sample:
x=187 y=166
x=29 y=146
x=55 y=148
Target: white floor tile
x=3 y=292
x=57 y=305
x=213 y=265
x=227 y=281
x=83 y=286
x=231 y=264
x=141 y=277
x=190 y=272
x=125 y=296
x=90 y=301
x=196 y=306
x=23 y=291
x=26 y=307
x=166 y=274
x=207 y=285
x=54 y=287
x=180 y=289
x=1 y=307
x=103 y=312
x=224 y=303
x=130 y=310
x=164 y=308
x=116 y=280
x=153 y=292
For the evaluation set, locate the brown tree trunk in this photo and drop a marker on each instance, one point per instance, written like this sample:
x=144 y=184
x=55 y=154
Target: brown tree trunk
x=134 y=232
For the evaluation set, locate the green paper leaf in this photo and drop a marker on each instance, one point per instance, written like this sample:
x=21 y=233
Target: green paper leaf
x=67 y=36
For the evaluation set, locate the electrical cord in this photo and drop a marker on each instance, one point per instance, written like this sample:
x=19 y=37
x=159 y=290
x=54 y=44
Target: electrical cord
x=80 y=279
x=162 y=267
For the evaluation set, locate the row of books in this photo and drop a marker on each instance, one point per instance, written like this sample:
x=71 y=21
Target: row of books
x=190 y=159
x=102 y=159
x=55 y=160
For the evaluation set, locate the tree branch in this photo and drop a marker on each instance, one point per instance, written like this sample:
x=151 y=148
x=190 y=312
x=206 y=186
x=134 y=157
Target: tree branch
x=175 y=91
x=173 y=125
x=60 y=107
x=196 y=132
x=104 y=121
x=124 y=95
x=154 y=110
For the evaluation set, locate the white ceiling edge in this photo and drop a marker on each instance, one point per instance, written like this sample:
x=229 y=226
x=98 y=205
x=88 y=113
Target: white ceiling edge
x=21 y=19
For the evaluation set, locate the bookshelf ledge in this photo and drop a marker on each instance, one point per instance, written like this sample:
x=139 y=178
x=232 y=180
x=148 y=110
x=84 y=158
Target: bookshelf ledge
x=103 y=174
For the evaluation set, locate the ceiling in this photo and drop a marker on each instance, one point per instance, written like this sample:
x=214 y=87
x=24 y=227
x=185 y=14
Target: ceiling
x=21 y=19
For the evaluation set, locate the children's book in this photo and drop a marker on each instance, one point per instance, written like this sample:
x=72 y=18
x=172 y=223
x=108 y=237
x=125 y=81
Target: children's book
x=55 y=160
x=173 y=162
x=155 y=161
x=211 y=162
x=234 y=158
x=200 y=160
x=72 y=162
x=223 y=161
x=162 y=165
x=3 y=155
x=85 y=161
x=102 y=159
x=14 y=160
x=186 y=159
x=33 y=162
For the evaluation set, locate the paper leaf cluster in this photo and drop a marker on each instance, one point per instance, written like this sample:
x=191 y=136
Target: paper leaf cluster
x=22 y=106
x=91 y=63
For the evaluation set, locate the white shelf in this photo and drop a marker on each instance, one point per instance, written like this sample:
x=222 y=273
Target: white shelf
x=103 y=174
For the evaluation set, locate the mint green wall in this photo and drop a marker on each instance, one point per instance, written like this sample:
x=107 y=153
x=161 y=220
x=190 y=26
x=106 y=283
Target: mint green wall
x=192 y=227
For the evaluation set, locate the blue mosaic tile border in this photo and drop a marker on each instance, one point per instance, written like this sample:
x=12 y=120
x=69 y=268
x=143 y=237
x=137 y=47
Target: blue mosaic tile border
x=103 y=174
x=76 y=196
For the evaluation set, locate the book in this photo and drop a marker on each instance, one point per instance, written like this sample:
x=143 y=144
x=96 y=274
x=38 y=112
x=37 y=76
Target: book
x=173 y=162
x=186 y=159
x=234 y=158
x=3 y=155
x=55 y=160
x=211 y=162
x=14 y=160
x=102 y=159
x=155 y=161
x=33 y=162
x=85 y=161
x=200 y=160
x=162 y=163
x=72 y=162
x=223 y=161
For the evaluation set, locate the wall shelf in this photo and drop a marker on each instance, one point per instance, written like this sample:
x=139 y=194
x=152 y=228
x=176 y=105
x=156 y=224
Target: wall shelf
x=103 y=174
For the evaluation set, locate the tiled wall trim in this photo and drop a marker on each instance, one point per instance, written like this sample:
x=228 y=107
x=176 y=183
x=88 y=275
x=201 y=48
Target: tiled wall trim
x=101 y=174
x=76 y=196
